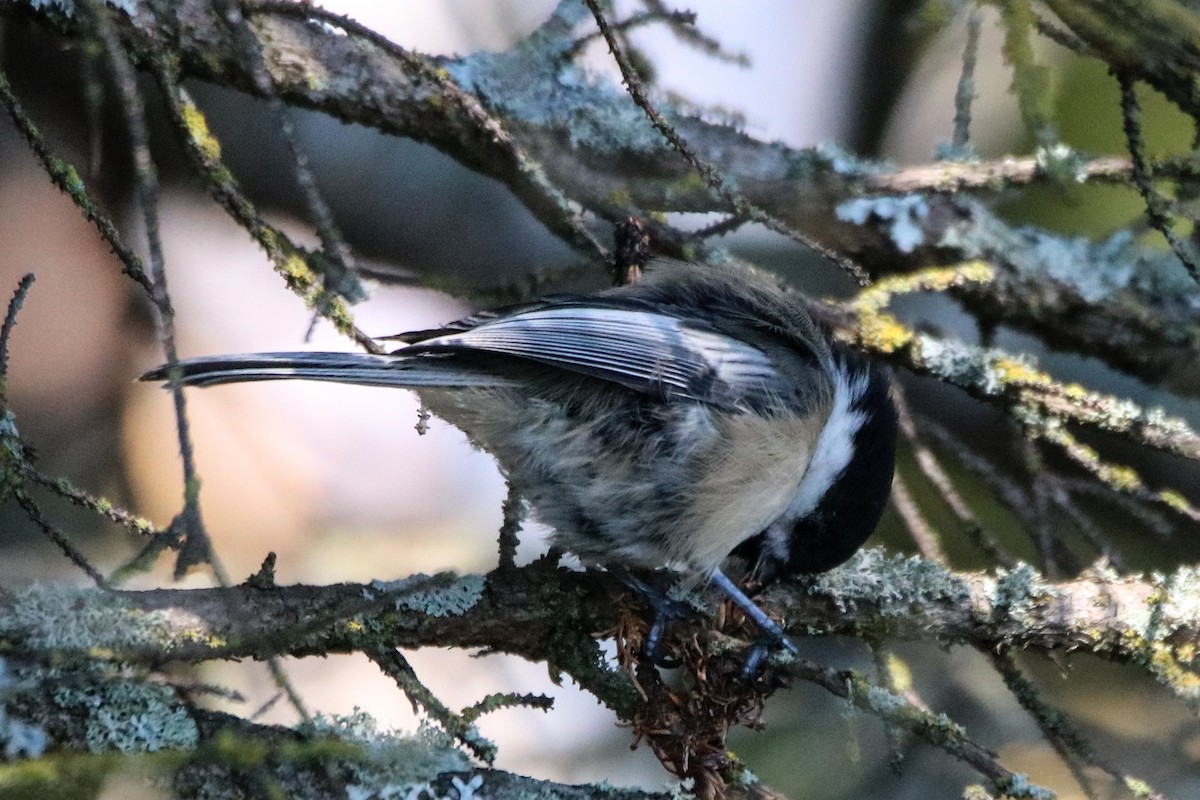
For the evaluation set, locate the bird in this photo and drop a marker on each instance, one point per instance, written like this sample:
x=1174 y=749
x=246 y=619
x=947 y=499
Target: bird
x=668 y=424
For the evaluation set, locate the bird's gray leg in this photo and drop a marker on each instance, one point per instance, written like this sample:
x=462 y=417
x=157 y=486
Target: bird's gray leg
x=772 y=635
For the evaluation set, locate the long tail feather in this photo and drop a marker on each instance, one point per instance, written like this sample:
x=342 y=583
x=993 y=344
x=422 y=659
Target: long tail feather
x=356 y=368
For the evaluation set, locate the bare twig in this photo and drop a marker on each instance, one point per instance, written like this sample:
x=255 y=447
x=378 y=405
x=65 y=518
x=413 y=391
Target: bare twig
x=932 y=469
x=103 y=507
x=396 y=666
x=1041 y=404
x=715 y=181
x=63 y=175
x=10 y=320
x=1066 y=740
x=57 y=537
x=935 y=729
x=197 y=547
x=338 y=276
x=1156 y=205
x=926 y=538
x=513 y=515
x=964 y=94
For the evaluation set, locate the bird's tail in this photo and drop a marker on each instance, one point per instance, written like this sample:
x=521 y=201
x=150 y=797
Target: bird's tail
x=399 y=370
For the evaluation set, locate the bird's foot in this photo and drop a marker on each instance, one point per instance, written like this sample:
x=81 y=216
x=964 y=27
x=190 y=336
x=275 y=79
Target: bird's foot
x=771 y=636
x=663 y=611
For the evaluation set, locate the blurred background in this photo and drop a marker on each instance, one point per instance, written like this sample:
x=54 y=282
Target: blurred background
x=337 y=481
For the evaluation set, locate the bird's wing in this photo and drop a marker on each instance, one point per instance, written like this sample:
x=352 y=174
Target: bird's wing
x=639 y=348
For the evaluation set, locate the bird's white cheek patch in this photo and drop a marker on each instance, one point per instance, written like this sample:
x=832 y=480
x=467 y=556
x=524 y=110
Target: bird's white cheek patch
x=835 y=445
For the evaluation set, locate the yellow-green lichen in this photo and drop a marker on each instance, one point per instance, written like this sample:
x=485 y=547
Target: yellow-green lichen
x=621 y=198
x=1174 y=499
x=1011 y=371
x=883 y=333
x=197 y=128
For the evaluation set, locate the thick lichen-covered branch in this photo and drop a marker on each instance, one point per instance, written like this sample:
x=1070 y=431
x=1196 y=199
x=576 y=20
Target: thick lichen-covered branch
x=1150 y=621
x=1134 y=619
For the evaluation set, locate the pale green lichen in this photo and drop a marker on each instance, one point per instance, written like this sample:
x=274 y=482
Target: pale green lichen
x=128 y=716
x=78 y=619
x=18 y=738
x=1019 y=785
x=686 y=788
x=1101 y=271
x=396 y=765
x=444 y=601
x=534 y=81
x=1061 y=163
x=1017 y=590
x=903 y=217
x=894 y=583
x=72 y=618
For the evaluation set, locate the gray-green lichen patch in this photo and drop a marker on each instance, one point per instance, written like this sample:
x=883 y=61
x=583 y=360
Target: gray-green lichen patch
x=1180 y=606
x=393 y=764
x=536 y=81
x=18 y=738
x=128 y=716
x=1062 y=163
x=1097 y=271
x=966 y=365
x=446 y=601
x=895 y=583
x=78 y=619
x=902 y=216
x=1017 y=590
x=1019 y=785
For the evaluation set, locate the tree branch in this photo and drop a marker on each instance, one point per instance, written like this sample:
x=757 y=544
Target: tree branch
x=525 y=611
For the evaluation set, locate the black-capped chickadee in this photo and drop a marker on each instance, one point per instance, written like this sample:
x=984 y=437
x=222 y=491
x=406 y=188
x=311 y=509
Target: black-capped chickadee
x=670 y=423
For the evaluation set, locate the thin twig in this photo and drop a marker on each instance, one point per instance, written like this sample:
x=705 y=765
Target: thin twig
x=683 y=25
x=1042 y=531
x=10 y=319
x=1064 y=38
x=396 y=666
x=931 y=468
x=289 y=258
x=57 y=537
x=1008 y=492
x=719 y=228
x=1156 y=205
x=339 y=275
x=18 y=455
x=1150 y=517
x=935 y=729
x=964 y=94
x=714 y=180
x=63 y=488
x=1042 y=405
x=197 y=547
x=1060 y=495
x=1117 y=477
x=1066 y=740
x=926 y=538
x=63 y=175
